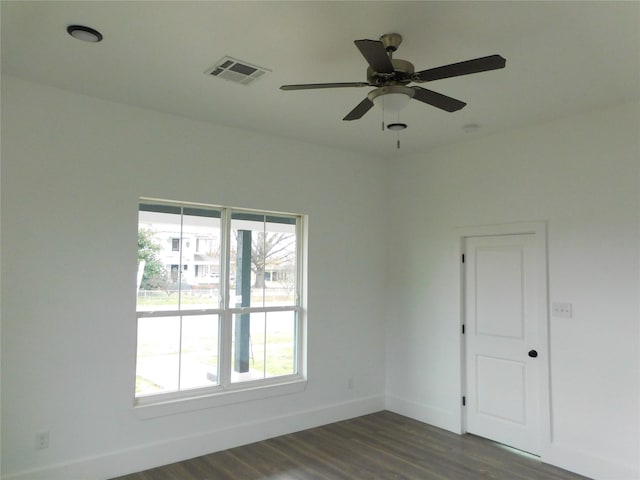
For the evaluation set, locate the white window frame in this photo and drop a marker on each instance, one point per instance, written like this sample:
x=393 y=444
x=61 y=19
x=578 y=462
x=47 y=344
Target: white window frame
x=226 y=392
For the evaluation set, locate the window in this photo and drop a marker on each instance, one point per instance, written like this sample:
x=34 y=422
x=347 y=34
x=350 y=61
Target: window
x=200 y=331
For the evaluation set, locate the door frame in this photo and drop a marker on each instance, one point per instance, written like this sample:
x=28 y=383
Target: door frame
x=539 y=231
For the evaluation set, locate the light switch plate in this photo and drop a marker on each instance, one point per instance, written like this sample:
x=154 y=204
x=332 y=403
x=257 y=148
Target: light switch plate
x=561 y=309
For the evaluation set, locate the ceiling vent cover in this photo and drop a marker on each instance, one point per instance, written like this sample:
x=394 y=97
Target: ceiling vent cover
x=237 y=71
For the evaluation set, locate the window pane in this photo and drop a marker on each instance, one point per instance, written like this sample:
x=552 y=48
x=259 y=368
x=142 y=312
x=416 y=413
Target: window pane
x=199 y=362
x=200 y=259
x=279 y=263
x=263 y=260
x=263 y=345
x=159 y=261
x=280 y=354
x=158 y=358
x=178 y=258
x=248 y=347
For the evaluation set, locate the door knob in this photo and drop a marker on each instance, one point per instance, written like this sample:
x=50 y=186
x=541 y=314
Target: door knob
x=533 y=353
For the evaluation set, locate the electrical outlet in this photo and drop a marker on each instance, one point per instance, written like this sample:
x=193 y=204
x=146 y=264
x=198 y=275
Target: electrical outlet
x=563 y=310
x=42 y=440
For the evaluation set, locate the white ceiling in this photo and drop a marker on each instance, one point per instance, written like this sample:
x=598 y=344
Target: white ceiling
x=562 y=58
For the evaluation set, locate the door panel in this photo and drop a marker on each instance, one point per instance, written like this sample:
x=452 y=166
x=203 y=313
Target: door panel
x=499 y=298
x=501 y=313
x=495 y=402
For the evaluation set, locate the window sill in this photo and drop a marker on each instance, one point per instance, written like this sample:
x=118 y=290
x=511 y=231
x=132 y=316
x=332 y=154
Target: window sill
x=219 y=399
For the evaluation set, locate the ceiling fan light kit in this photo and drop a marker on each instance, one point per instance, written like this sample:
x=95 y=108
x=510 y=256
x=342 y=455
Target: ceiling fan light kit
x=391 y=78
x=392 y=98
x=396 y=127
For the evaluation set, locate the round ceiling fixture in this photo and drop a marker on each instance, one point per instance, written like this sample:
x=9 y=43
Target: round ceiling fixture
x=86 y=34
x=396 y=127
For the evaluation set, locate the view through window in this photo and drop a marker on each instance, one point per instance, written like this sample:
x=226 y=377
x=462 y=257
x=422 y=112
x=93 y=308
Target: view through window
x=218 y=299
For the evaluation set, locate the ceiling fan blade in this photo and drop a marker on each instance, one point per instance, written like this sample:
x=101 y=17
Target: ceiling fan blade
x=363 y=107
x=376 y=55
x=437 y=99
x=492 y=62
x=310 y=86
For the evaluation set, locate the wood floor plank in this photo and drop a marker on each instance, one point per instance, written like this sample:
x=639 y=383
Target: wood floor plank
x=380 y=446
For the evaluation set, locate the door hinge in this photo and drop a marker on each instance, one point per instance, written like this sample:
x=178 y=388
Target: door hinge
x=464 y=401
x=463 y=258
x=463 y=328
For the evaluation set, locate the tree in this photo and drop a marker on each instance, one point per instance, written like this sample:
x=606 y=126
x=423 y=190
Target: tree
x=287 y=279
x=155 y=274
x=270 y=249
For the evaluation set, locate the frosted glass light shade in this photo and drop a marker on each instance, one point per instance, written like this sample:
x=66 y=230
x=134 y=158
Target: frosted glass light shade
x=392 y=102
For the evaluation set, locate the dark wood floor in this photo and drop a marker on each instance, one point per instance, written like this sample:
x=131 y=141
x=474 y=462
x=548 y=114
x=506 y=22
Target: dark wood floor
x=380 y=446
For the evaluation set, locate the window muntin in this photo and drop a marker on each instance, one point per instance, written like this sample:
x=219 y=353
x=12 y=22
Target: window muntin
x=226 y=312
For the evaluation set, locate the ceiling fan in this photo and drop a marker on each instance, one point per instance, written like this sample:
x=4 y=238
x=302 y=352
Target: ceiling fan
x=392 y=76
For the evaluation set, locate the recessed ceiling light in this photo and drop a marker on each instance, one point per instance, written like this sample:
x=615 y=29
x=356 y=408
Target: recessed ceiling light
x=86 y=34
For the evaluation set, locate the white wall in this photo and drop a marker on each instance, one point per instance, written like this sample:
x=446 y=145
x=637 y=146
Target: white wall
x=73 y=169
x=581 y=175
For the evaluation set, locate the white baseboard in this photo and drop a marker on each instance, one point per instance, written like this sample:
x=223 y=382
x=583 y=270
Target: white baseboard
x=147 y=456
x=122 y=462
x=425 y=413
x=589 y=464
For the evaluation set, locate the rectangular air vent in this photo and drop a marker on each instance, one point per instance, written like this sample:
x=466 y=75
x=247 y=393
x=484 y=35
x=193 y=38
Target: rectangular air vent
x=237 y=71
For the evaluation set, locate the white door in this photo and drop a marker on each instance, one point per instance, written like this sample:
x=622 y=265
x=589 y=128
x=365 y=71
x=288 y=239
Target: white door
x=502 y=315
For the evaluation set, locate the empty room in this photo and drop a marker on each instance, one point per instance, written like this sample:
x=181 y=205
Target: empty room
x=375 y=240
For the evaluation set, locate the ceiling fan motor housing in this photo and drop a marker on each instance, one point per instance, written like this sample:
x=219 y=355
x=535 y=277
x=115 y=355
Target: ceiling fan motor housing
x=391 y=89
x=403 y=71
